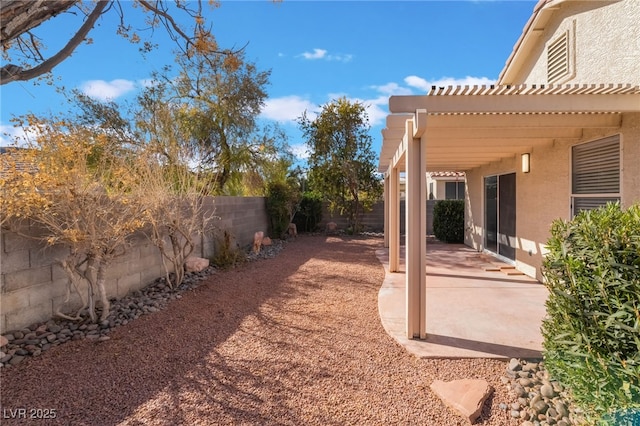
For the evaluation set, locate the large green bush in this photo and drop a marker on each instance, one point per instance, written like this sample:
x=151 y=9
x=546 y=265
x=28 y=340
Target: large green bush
x=281 y=200
x=592 y=330
x=309 y=213
x=448 y=221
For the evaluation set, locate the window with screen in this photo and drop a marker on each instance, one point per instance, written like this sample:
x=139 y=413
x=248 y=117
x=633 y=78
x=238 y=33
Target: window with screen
x=595 y=173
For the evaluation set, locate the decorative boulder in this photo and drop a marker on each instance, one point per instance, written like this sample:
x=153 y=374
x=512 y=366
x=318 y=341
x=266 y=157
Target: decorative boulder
x=257 y=241
x=293 y=230
x=266 y=241
x=466 y=396
x=331 y=227
x=196 y=264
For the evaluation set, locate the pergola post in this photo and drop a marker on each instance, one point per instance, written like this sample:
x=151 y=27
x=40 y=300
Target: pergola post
x=416 y=230
x=393 y=211
x=386 y=210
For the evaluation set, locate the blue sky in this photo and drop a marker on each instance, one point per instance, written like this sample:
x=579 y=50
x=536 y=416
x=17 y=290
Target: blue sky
x=316 y=51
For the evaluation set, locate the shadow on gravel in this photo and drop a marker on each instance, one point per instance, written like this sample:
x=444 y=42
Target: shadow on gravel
x=183 y=363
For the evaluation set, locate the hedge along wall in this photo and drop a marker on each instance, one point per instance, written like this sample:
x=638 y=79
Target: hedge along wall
x=33 y=285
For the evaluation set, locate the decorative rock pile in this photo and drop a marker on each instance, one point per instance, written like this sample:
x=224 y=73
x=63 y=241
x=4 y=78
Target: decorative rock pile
x=541 y=401
x=17 y=345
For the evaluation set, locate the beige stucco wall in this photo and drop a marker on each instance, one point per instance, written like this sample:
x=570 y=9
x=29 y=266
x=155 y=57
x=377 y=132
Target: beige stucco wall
x=611 y=56
x=543 y=195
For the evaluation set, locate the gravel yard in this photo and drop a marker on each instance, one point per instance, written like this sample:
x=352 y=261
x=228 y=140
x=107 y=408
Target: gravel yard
x=291 y=340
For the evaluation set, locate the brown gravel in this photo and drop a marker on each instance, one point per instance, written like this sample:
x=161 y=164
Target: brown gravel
x=294 y=340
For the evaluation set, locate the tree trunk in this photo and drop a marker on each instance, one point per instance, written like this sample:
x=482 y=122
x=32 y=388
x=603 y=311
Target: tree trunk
x=89 y=275
x=74 y=279
x=19 y=16
x=100 y=281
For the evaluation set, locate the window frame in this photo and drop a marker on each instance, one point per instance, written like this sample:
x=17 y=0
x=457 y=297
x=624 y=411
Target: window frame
x=604 y=196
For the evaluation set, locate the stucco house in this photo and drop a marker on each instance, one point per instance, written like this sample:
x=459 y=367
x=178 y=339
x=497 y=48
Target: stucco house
x=558 y=133
x=446 y=185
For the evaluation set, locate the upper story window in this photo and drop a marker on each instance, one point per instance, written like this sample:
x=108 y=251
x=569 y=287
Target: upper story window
x=558 y=57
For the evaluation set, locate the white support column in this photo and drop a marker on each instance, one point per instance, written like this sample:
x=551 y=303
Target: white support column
x=394 y=219
x=386 y=210
x=416 y=230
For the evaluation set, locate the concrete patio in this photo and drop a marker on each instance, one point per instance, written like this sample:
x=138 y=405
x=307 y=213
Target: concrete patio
x=474 y=309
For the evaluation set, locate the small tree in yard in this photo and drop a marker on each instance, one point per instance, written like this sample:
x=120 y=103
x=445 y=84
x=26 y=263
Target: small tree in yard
x=341 y=159
x=76 y=191
x=172 y=190
x=282 y=199
x=174 y=201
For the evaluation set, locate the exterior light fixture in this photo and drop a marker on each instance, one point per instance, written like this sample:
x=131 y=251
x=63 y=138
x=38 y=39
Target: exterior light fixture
x=526 y=163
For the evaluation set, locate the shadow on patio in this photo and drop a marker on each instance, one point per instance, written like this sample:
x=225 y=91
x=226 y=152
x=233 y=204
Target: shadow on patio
x=471 y=312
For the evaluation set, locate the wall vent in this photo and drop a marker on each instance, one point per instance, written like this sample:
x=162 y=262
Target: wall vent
x=558 y=58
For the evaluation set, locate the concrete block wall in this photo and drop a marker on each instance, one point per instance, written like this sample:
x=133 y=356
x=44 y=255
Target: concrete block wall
x=374 y=220
x=33 y=285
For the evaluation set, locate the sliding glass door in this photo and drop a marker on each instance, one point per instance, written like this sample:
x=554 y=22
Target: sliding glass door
x=500 y=214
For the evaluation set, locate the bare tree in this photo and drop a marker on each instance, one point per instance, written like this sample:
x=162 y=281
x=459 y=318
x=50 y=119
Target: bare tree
x=176 y=209
x=77 y=192
x=19 y=20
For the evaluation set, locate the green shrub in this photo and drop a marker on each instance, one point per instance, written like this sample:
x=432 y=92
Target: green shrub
x=592 y=329
x=281 y=199
x=309 y=213
x=227 y=253
x=448 y=221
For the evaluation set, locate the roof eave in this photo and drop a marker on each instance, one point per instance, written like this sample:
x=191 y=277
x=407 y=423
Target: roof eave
x=534 y=27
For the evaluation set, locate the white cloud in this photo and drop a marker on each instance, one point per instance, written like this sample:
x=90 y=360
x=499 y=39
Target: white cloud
x=11 y=135
x=377 y=110
x=317 y=54
x=300 y=151
x=425 y=85
x=324 y=54
x=107 y=90
x=391 y=89
x=287 y=108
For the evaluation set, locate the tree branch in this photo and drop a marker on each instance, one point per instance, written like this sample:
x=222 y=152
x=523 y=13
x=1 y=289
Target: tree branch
x=11 y=72
x=19 y=16
x=168 y=19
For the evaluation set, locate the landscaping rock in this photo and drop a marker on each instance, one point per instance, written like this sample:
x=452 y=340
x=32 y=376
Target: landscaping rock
x=466 y=396
x=547 y=391
x=33 y=340
x=514 y=365
x=541 y=401
x=196 y=264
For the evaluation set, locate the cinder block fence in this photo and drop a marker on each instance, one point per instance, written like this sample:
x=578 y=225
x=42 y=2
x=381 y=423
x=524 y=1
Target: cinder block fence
x=33 y=285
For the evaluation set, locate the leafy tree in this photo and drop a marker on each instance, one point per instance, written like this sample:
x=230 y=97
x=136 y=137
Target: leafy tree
x=20 y=19
x=265 y=158
x=283 y=197
x=309 y=212
x=341 y=159
x=216 y=100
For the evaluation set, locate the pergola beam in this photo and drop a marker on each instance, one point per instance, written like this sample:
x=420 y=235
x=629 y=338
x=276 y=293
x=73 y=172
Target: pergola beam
x=516 y=103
